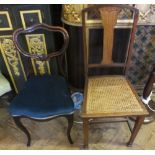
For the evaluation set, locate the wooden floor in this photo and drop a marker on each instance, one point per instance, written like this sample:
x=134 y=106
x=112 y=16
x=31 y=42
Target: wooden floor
x=52 y=135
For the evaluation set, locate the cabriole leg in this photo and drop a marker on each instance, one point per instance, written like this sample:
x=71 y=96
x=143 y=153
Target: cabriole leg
x=70 y=125
x=23 y=128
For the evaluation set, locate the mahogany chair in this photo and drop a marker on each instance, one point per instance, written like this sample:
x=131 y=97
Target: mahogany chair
x=43 y=97
x=108 y=95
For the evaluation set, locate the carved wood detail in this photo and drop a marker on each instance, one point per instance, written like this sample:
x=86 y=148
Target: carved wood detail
x=109 y=19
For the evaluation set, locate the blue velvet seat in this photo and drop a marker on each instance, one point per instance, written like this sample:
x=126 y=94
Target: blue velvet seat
x=43 y=97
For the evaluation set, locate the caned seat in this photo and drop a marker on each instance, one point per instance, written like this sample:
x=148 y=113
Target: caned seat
x=107 y=95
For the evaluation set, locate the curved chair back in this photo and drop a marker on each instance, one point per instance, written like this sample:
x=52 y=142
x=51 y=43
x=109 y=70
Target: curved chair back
x=36 y=56
x=45 y=27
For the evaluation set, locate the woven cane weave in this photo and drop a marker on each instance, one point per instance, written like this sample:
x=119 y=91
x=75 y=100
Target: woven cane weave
x=111 y=95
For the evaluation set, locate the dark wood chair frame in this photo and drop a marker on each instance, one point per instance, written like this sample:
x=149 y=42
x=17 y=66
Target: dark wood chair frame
x=90 y=119
x=149 y=85
x=43 y=57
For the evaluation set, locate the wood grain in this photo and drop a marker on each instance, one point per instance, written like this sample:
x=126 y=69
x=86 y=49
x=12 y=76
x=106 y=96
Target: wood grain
x=109 y=19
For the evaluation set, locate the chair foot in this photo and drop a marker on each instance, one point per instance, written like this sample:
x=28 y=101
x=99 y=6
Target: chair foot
x=23 y=128
x=138 y=123
x=85 y=132
x=70 y=125
x=85 y=147
x=129 y=145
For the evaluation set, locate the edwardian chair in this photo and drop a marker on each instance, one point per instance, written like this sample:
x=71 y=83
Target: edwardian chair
x=43 y=97
x=109 y=95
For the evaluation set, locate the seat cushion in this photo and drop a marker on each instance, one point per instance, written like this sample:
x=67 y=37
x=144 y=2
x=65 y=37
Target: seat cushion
x=42 y=97
x=111 y=96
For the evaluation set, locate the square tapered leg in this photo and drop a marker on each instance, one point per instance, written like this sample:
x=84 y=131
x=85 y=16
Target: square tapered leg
x=85 y=131
x=138 y=123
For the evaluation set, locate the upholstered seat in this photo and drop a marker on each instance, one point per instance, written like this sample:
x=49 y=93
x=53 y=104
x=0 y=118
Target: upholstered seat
x=43 y=97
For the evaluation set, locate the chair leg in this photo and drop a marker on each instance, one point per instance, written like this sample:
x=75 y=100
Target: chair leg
x=70 y=125
x=85 y=131
x=138 y=123
x=23 y=128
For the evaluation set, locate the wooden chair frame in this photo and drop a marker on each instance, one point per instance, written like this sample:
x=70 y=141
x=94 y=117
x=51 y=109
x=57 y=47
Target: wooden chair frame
x=131 y=41
x=86 y=117
x=43 y=57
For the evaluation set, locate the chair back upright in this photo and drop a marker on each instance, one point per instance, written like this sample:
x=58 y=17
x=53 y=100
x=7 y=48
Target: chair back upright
x=101 y=24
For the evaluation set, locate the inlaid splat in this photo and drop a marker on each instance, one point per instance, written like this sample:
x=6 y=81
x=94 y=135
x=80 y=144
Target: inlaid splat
x=109 y=19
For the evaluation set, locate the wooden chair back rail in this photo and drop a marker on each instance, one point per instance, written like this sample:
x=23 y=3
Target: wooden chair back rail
x=109 y=14
x=106 y=65
x=41 y=57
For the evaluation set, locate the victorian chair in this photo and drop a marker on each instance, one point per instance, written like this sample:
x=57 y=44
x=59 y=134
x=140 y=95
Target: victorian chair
x=109 y=94
x=43 y=97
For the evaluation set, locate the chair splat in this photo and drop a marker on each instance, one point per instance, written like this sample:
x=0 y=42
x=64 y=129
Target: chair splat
x=109 y=20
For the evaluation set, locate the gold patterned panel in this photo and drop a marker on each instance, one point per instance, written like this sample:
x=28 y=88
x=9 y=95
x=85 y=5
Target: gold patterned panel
x=71 y=15
x=32 y=20
x=5 y=19
x=12 y=60
x=36 y=44
x=72 y=12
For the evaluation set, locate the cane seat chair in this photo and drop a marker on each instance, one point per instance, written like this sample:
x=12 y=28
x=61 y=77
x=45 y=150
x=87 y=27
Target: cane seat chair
x=43 y=97
x=108 y=94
